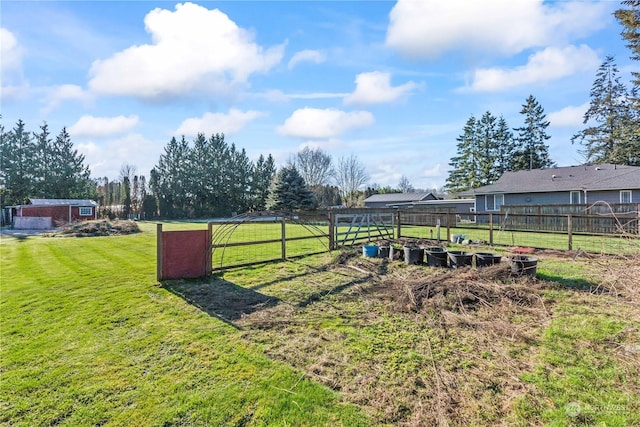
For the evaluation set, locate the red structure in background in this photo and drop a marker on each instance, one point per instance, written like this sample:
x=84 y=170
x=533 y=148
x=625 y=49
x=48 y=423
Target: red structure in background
x=183 y=254
x=61 y=211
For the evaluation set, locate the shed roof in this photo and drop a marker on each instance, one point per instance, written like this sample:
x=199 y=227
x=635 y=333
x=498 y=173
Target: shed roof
x=571 y=178
x=62 y=202
x=399 y=197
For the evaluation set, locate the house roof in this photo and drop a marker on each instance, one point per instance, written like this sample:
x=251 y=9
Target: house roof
x=398 y=197
x=571 y=178
x=61 y=202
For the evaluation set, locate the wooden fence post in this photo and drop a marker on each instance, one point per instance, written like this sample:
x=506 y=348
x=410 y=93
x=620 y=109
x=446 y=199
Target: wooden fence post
x=284 y=238
x=491 y=229
x=398 y=223
x=209 y=250
x=448 y=227
x=159 y=251
x=332 y=231
x=570 y=232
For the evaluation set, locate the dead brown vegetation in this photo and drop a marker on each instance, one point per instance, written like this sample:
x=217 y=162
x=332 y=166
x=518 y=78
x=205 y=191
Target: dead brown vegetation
x=99 y=228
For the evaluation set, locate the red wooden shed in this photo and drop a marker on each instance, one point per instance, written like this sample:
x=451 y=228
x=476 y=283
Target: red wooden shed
x=60 y=211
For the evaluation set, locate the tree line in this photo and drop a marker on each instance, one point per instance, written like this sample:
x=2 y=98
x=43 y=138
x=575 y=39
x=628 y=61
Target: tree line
x=37 y=165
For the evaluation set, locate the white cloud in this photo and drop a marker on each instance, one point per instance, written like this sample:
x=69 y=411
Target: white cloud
x=194 y=50
x=568 y=116
x=375 y=88
x=313 y=123
x=428 y=28
x=549 y=64
x=105 y=159
x=314 y=56
x=211 y=123
x=10 y=51
x=100 y=127
x=64 y=93
x=12 y=80
x=433 y=172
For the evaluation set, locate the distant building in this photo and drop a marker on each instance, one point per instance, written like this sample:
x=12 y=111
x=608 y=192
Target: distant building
x=49 y=213
x=572 y=185
x=391 y=199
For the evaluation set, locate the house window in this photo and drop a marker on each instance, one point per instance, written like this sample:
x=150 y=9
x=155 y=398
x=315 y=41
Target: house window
x=86 y=211
x=575 y=197
x=625 y=196
x=494 y=201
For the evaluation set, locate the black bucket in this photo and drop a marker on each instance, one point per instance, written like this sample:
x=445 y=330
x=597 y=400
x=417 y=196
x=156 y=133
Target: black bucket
x=522 y=265
x=395 y=253
x=436 y=257
x=413 y=255
x=383 y=252
x=459 y=258
x=486 y=259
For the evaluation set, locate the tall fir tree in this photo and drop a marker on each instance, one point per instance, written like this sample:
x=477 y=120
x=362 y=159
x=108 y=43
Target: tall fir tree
x=263 y=172
x=464 y=165
x=533 y=151
x=611 y=114
x=505 y=148
x=629 y=18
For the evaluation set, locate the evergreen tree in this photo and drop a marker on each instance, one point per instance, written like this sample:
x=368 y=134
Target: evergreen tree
x=464 y=165
x=263 y=172
x=17 y=165
x=505 y=148
x=611 y=114
x=487 y=149
x=630 y=20
x=533 y=152
x=170 y=180
x=69 y=177
x=288 y=191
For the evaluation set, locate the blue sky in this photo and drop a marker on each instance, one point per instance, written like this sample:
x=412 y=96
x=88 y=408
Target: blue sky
x=391 y=82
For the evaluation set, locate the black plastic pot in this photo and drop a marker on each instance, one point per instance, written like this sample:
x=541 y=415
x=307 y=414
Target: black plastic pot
x=459 y=258
x=383 y=252
x=413 y=255
x=436 y=257
x=486 y=259
x=522 y=265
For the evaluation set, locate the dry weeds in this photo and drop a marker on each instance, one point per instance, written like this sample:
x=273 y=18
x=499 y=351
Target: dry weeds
x=418 y=346
x=98 y=228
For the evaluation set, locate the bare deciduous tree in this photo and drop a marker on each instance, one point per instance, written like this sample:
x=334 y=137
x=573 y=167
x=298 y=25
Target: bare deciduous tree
x=350 y=176
x=314 y=166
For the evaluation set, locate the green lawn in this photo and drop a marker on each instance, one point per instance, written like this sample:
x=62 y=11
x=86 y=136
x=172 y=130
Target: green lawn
x=88 y=337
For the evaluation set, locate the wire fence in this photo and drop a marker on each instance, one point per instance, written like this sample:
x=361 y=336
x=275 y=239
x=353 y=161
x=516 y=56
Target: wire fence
x=612 y=233
x=271 y=236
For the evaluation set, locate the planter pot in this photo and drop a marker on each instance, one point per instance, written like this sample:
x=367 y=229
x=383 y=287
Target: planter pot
x=436 y=257
x=413 y=255
x=370 y=251
x=487 y=259
x=383 y=251
x=396 y=253
x=459 y=258
x=522 y=265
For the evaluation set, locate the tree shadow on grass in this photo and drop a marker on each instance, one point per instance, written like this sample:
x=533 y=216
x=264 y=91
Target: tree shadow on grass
x=574 y=284
x=220 y=298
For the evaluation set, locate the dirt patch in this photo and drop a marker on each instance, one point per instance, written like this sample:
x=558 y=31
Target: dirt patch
x=97 y=228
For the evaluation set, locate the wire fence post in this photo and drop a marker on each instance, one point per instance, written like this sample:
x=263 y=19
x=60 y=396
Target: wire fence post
x=570 y=232
x=491 y=229
x=284 y=238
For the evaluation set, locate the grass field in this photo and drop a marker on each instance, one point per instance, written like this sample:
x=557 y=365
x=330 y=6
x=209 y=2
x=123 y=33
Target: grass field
x=89 y=337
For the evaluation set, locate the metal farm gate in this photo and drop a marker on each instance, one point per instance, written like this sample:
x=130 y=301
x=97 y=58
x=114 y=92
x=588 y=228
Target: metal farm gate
x=356 y=226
